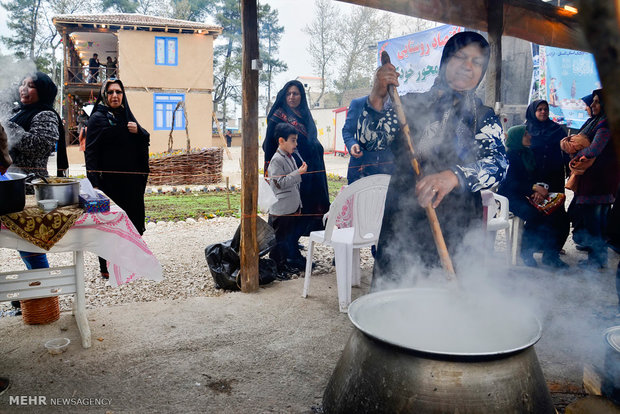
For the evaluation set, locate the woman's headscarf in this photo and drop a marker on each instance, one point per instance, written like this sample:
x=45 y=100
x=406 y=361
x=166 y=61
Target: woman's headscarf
x=536 y=127
x=514 y=143
x=102 y=104
x=587 y=99
x=456 y=43
x=302 y=112
x=593 y=124
x=456 y=110
x=47 y=90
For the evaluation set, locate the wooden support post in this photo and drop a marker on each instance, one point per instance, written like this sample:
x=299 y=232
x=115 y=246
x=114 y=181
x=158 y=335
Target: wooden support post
x=601 y=20
x=249 y=147
x=495 y=18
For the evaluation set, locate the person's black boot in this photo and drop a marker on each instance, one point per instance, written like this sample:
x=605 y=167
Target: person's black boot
x=553 y=260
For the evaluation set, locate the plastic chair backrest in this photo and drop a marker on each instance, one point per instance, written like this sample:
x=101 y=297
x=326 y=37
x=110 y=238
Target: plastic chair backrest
x=368 y=205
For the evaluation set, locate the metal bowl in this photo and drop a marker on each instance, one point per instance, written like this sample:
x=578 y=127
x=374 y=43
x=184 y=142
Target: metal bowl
x=65 y=190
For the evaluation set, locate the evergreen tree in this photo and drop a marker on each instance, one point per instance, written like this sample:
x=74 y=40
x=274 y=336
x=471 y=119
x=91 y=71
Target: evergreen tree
x=23 y=23
x=269 y=35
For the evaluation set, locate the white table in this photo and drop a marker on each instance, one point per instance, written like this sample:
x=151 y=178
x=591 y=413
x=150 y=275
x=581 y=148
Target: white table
x=110 y=235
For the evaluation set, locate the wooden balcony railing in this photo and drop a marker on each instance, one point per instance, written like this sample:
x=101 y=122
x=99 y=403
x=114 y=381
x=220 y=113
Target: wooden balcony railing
x=84 y=74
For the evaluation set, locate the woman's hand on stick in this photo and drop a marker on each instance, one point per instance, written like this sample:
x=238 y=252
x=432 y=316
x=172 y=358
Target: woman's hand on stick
x=431 y=189
x=384 y=76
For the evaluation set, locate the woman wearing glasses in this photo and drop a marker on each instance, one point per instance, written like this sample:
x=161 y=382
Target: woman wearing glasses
x=291 y=106
x=117 y=154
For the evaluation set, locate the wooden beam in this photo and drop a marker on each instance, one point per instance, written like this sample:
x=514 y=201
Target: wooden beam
x=249 y=147
x=495 y=11
x=601 y=20
x=532 y=20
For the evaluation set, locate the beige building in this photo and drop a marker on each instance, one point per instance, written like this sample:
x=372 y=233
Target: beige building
x=161 y=61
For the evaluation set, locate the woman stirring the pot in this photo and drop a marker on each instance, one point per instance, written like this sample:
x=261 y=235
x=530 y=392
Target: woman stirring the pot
x=459 y=148
x=34 y=133
x=117 y=154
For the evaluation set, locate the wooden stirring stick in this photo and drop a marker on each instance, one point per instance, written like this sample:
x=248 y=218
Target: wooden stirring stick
x=440 y=243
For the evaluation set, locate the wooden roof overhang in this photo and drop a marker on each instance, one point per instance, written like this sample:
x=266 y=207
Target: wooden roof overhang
x=532 y=20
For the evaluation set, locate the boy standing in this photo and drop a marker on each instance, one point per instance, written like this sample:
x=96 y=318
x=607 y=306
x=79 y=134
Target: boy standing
x=285 y=179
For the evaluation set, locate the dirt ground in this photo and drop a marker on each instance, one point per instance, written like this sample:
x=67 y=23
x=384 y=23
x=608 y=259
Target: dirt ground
x=268 y=352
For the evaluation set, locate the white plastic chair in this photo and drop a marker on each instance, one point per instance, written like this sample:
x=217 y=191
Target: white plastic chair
x=498 y=217
x=367 y=210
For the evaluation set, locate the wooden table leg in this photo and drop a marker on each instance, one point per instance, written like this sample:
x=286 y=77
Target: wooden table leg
x=79 y=305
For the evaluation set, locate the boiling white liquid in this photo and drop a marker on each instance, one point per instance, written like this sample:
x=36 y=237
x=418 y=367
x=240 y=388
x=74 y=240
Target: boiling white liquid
x=445 y=322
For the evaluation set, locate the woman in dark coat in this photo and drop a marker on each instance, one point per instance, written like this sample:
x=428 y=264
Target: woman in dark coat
x=551 y=161
x=458 y=145
x=596 y=187
x=34 y=132
x=291 y=106
x=117 y=154
x=541 y=232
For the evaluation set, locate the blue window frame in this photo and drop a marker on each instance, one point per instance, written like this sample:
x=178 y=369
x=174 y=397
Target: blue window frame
x=163 y=107
x=166 y=51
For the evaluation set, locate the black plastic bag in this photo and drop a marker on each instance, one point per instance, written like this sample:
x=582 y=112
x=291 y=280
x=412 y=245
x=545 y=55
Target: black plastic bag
x=224 y=262
x=265 y=237
x=224 y=265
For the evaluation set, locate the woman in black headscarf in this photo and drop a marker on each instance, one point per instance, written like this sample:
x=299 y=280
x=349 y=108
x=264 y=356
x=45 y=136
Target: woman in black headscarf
x=291 y=106
x=598 y=169
x=36 y=130
x=459 y=148
x=525 y=180
x=117 y=154
x=551 y=161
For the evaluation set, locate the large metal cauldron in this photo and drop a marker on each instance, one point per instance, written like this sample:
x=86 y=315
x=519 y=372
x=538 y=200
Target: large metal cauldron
x=435 y=351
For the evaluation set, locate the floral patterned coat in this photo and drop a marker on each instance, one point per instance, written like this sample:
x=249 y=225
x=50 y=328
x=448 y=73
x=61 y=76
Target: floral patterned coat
x=449 y=132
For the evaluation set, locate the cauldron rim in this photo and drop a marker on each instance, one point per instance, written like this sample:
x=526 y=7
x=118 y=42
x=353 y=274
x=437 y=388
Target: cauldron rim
x=359 y=303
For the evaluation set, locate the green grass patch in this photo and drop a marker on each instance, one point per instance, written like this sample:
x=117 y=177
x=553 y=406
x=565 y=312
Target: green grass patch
x=179 y=206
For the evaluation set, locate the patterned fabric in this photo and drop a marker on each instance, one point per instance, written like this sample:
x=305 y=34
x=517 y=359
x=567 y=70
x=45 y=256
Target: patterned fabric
x=40 y=228
x=110 y=235
x=30 y=150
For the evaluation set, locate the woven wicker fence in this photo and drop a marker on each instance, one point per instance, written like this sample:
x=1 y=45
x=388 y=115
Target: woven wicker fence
x=197 y=167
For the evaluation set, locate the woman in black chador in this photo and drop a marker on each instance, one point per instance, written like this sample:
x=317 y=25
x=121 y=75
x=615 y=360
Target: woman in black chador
x=459 y=147
x=117 y=154
x=291 y=106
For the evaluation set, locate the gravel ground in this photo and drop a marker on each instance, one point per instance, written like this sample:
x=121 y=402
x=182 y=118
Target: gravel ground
x=185 y=269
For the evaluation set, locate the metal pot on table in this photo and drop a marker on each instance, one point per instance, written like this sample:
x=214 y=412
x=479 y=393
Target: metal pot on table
x=436 y=351
x=12 y=193
x=65 y=190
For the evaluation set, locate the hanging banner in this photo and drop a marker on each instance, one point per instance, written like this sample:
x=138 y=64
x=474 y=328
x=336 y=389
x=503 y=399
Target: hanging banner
x=562 y=77
x=417 y=56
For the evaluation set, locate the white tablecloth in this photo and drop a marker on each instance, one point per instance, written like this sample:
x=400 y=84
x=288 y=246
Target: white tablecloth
x=110 y=235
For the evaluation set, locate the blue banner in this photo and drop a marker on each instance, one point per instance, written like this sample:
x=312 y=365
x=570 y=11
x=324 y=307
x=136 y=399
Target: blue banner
x=562 y=77
x=417 y=56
